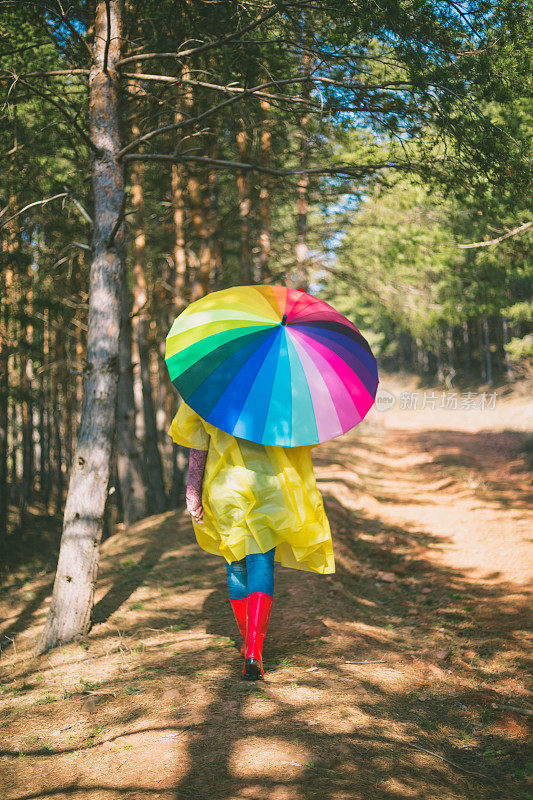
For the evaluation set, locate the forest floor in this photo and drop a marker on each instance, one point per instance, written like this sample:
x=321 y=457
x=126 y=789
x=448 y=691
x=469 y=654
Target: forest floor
x=403 y=675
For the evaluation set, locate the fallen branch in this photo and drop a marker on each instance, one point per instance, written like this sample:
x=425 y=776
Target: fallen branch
x=451 y=763
x=527 y=711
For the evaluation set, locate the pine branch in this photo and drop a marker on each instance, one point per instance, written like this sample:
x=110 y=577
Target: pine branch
x=140 y=76
x=85 y=136
x=350 y=170
x=14 y=76
x=515 y=232
x=192 y=120
x=32 y=205
x=217 y=43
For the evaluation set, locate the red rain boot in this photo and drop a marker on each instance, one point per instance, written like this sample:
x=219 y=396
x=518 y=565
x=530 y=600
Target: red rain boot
x=239 y=609
x=257 y=616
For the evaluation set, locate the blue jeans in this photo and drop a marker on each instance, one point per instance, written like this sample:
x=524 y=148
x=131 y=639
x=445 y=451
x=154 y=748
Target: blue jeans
x=253 y=573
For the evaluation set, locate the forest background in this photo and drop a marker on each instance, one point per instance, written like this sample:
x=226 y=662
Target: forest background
x=376 y=154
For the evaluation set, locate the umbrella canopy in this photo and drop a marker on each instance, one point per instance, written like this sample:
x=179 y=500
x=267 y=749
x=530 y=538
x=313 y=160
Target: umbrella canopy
x=272 y=365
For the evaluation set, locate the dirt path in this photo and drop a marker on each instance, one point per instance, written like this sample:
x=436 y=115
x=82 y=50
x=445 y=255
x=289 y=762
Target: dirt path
x=401 y=676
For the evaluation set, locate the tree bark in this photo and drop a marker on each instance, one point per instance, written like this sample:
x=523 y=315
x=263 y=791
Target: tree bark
x=5 y=296
x=56 y=422
x=264 y=192
x=466 y=340
x=505 y=337
x=479 y=352
x=419 y=356
x=302 y=255
x=128 y=453
x=200 y=285
x=26 y=380
x=488 y=358
x=245 y=205
x=69 y=614
x=46 y=436
x=156 y=500
x=212 y=223
x=440 y=371
x=451 y=357
x=127 y=450
x=180 y=258
x=8 y=333
x=177 y=187
x=68 y=406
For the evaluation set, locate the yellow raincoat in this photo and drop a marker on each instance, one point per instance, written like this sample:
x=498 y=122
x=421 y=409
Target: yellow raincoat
x=257 y=497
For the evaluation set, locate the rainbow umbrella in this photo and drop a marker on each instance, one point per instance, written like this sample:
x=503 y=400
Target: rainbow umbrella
x=271 y=365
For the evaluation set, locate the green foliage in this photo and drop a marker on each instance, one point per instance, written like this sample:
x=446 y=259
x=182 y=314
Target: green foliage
x=521 y=350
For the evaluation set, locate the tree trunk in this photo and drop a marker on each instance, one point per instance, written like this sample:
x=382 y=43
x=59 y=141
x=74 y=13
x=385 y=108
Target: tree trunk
x=128 y=454
x=69 y=614
x=5 y=296
x=200 y=285
x=245 y=205
x=27 y=405
x=419 y=356
x=44 y=445
x=56 y=422
x=128 y=462
x=179 y=468
x=482 y=361
x=46 y=438
x=487 y=349
x=68 y=408
x=451 y=357
x=23 y=381
x=302 y=281
x=264 y=192
x=156 y=500
x=212 y=222
x=179 y=301
x=466 y=340
x=177 y=192
x=302 y=255
x=440 y=371
x=505 y=336
x=180 y=259
x=15 y=423
x=9 y=244
x=12 y=428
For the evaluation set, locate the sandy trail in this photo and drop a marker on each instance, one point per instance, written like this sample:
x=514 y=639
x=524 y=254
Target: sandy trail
x=401 y=676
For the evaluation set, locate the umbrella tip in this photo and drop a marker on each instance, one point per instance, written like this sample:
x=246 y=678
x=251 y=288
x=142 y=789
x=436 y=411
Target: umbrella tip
x=284 y=320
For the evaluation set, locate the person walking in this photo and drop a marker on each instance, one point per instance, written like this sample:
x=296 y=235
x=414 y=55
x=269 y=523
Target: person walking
x=253 y=504
x=265 y=374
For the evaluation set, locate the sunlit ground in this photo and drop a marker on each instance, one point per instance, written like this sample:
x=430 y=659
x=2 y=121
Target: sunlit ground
x=401 y=676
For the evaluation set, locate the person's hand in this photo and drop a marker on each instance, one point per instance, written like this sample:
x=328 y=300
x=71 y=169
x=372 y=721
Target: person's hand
x=195 y=510
x=193 y=495
x=193 y=501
